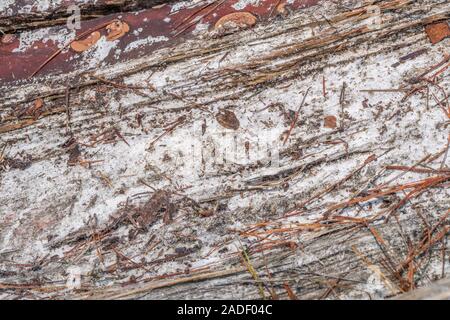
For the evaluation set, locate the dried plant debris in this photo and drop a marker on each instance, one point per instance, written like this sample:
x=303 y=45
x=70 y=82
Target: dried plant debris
x=159 y=205
x=227 y=119
x=34 y=110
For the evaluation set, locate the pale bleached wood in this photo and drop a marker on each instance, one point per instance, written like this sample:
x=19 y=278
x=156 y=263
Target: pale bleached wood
x=47 y=207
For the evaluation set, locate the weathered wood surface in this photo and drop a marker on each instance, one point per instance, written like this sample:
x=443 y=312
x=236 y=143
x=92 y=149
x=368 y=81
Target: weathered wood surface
x=114 y=170
x=440 y=290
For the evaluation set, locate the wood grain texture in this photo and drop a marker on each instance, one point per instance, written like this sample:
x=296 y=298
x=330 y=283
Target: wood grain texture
x=122 y=174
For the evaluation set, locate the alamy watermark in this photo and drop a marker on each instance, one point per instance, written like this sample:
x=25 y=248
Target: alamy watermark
x=200 y=154
x=74 y=20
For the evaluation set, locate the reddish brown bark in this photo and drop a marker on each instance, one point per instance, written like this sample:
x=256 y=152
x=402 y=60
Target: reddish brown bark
x=151 y=23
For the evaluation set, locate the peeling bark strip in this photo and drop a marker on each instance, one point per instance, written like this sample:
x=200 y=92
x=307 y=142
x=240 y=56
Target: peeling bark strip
x=150 y=30
x=169 y=175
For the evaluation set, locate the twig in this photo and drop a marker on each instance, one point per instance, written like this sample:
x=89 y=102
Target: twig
x=289 y=291
x=252 y=271
x=203 y=16
x=120 y=136
x=179 y=121
x=68 y=109
x=294 y=121
x=444 y=160
x=416 y=170
x=421 y=76
x=384 y=90
x=192 y=15
x=342 y=102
